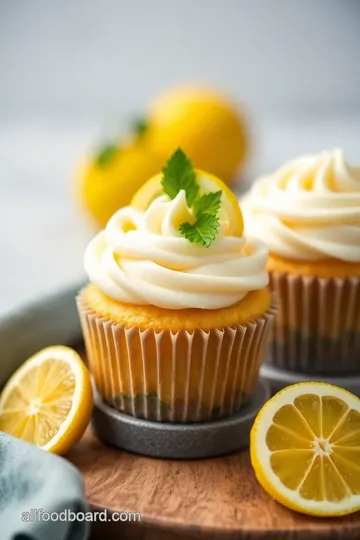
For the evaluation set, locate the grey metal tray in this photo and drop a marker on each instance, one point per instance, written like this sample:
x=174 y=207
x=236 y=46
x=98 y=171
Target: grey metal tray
x=51 y=321
x=178 y=441
x=278 y=379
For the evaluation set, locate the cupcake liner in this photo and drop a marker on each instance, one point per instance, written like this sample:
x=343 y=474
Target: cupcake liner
x=175 y=377
x=317 y=328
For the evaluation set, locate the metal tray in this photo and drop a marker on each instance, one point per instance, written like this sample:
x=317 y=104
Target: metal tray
x=51 y=321
x=278 y=379
x=178 y=441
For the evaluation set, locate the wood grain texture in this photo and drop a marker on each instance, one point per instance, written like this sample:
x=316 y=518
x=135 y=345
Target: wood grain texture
x=204 y=499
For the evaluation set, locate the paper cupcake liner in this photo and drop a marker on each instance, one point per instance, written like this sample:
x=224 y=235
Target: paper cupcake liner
x=317 y=328
x=175 y=377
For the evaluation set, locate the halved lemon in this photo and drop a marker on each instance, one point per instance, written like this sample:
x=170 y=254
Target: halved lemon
x=305 y=449
x=48 y=400
x=207 y=183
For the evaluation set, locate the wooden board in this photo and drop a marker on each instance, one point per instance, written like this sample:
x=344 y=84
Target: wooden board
x=216 y=499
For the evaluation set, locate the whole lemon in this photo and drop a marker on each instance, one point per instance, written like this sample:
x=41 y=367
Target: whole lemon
x=205 y=124
x=108 y=179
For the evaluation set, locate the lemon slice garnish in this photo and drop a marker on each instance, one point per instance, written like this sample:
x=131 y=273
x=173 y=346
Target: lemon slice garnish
x=207 y=183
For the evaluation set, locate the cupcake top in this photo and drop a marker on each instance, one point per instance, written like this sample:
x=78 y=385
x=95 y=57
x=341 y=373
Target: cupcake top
x=179 y=245
x=309 y=209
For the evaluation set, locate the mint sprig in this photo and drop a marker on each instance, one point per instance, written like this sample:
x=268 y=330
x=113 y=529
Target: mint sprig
x=206 y=227
x=106 y=154
x=203 y=232
x=209 y=203
x=140 y=126
x=179 y=174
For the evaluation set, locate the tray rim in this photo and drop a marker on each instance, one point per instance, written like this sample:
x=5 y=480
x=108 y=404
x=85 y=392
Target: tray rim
x=51 y=320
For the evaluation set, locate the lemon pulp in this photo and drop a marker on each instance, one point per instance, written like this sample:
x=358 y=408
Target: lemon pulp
x=48 y=401
x=315 y=444
x=305 y=449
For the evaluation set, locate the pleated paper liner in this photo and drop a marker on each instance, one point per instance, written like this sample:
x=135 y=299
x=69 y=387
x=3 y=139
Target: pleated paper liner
x=317 y=327
x=174 y=377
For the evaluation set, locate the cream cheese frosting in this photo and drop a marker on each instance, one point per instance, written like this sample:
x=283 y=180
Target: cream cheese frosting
x=142 y=258
x=309 y=209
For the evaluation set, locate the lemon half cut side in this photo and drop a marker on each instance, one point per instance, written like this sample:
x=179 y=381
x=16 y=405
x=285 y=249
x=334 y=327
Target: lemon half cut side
x=48 y=400
x=305 y=449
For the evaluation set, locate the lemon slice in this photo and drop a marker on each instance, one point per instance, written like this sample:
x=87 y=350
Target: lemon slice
x=48 y=400
x=207 y=183
x=305 y=449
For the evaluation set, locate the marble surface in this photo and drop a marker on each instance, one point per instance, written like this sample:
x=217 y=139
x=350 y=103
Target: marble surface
x=43 y=233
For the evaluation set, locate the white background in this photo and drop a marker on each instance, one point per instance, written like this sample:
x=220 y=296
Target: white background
x=71 y=70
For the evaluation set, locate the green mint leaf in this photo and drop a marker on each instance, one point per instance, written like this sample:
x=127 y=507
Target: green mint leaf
x=140 y=126
x=179 y=174
x=203 y=231
x=209 y=203
x=106 y=154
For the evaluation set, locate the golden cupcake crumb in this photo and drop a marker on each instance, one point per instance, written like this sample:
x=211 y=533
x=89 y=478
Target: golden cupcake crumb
x=327 y=268
x=255 y=304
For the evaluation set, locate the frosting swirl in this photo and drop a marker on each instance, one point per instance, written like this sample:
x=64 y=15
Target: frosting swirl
x=141 y=258
x=309 y=209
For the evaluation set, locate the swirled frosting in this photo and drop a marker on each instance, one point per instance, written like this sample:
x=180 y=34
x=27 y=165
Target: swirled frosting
x=141 y=258
x=309 y=209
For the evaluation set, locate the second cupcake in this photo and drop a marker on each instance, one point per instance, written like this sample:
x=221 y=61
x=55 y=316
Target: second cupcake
x=308 y=213
x=177 y=312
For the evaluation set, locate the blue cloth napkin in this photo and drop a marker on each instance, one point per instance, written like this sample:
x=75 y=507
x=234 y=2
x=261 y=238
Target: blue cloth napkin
x=33 y=485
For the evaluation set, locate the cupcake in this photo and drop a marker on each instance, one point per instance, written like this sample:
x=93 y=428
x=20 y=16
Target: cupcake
x=177 y=311
x=308 y=213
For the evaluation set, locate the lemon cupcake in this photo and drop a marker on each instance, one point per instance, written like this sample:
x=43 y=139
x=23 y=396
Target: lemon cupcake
x=177 y=312
x=308 y=213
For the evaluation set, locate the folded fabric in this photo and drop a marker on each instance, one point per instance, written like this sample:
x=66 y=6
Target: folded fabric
x=41 y=495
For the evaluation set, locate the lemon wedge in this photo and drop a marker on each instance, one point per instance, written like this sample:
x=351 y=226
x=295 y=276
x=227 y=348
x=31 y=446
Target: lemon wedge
x=229 y=210
x=305 y=449
x=48 y=400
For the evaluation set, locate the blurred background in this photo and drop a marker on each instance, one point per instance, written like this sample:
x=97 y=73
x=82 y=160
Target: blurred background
x=73 y=72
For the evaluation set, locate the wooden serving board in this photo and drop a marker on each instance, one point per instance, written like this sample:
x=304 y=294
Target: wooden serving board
x=217 y=499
